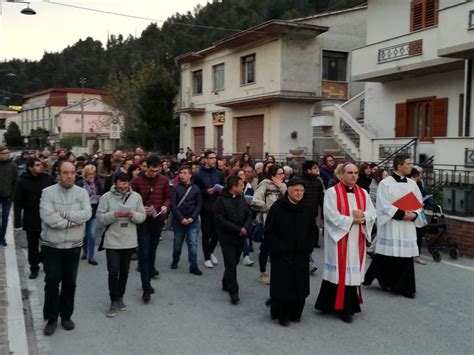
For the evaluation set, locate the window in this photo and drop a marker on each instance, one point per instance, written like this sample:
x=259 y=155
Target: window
x=334 y=66
x=424 y=14
x=423 y=118
x=218 y=77
x=248 y=69
x=197 y=82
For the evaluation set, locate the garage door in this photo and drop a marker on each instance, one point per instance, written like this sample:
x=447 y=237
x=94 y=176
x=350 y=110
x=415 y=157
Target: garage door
x=250 y=131
x=198 y=134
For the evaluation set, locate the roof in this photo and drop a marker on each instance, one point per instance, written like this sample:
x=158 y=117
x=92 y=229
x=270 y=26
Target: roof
x=361 y=6
x=267 y=29
x=66 y=90
x=280 y=96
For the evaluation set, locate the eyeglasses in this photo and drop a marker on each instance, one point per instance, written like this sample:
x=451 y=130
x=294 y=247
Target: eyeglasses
x=154 y=170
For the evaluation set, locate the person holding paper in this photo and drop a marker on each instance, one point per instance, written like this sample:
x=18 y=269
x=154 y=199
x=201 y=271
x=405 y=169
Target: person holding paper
x=119 y=210
x=398 y=215
x=349 y=216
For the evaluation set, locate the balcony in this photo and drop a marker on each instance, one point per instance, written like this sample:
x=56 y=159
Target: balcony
x=404 y=56
x=456 y=31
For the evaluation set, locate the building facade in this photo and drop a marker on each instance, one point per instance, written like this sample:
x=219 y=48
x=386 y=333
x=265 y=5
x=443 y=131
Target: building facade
x=260 y=89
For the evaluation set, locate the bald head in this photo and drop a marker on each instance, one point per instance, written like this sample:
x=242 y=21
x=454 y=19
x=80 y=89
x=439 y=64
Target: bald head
x=350 y=174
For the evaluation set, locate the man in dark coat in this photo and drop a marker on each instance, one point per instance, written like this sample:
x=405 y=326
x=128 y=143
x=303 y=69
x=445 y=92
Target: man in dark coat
x=233 y=220
x=290 y=228
x=27 y=198
x=8 y=181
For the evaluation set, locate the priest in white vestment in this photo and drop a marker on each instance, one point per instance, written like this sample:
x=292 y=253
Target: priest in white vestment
x=392 y=265
x=349 y=216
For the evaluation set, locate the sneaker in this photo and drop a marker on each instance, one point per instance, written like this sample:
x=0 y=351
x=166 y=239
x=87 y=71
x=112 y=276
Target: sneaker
x=214 y=259
x=208 y=264
x=174 y=265
x=92 y=261
x=121 y=306
x=312 y=268
x=146 y=296
x=114 y=307
x=67 y=324
x=50 y=327
x=264 y=278
x=195 y=271
x=33 y=275
x=247 y=261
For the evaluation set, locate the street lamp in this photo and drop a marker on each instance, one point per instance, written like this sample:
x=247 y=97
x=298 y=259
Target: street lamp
x=26 y=11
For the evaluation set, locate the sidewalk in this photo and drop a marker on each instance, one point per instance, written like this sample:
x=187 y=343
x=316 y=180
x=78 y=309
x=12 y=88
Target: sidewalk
x=12 y=321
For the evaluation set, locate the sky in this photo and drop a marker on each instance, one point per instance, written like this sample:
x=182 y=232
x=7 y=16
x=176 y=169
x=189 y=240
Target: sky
x=54 y=27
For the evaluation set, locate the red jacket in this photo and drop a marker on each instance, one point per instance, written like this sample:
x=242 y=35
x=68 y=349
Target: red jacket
x=154 y=191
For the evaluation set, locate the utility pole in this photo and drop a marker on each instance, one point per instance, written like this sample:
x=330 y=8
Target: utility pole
x=82 y=81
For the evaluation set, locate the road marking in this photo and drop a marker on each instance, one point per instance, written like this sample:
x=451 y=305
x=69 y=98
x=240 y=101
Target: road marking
x=451 y=264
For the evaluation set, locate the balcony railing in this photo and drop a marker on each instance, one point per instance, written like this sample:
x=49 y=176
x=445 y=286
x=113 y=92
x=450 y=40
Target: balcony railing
x=400 y=51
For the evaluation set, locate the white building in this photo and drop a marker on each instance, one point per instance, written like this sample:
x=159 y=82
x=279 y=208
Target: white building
x=262 y=88
x=417 y=66
x=6 y=114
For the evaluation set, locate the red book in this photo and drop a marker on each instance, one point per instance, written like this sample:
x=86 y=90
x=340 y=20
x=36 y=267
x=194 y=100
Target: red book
x=409 y=202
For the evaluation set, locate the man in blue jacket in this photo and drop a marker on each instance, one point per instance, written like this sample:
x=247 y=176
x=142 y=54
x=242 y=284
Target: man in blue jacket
x=207 y=179
x=186 y=203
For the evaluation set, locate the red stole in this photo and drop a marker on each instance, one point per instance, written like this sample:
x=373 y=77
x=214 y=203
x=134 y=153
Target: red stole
x=344 y=209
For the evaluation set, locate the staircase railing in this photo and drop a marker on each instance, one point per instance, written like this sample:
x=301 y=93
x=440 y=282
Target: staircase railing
x=409 y=148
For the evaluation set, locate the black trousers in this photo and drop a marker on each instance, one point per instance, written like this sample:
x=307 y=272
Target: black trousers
x=231 y=254
x=149 y=233
x=209 y=235
x=118 y=265
x=34 y=256
x=264 y=254
x=60 y=267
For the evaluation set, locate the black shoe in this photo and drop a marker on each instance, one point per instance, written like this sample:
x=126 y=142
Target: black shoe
x=317 y=246
x=92 y=261
x=134 y=256
x=284 y=322
x=295 y=320
x=234 y=298
x=50 y=327
x=346 y=317
x=174 y=265
x=3 y=243
x=195 y=271
x=155 y=273
x=33 y=275
x=67 y=324
x=151 y=290
x=224 y=288
x=408 y=294
x=366 y=283
x=84 y=256
x=383 y=286
x=146 y=296
x=268 y=302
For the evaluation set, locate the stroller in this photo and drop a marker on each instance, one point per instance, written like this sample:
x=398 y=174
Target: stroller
x=439 y=239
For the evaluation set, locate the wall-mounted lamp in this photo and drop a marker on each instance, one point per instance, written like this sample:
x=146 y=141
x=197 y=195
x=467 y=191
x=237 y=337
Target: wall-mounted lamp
x=294 y=135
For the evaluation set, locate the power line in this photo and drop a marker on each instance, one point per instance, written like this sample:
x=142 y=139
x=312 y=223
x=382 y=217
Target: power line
x=144 y=18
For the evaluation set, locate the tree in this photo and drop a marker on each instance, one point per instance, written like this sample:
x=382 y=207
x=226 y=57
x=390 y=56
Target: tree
x=147 y=99
x=39 y=138
x=13 y=135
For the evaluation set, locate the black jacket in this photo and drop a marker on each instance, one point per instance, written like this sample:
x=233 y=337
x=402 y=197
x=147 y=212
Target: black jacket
x=231 y=214
x=364 y=182
x=8 y=178
x=289 y=230
x=206 y=179
x=313 y=197
x=27 y=197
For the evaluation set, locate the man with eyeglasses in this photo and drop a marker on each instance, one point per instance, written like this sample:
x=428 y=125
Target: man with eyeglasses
x=156 y=195
x=207 y=179
x=8 y=181
x=27 y=198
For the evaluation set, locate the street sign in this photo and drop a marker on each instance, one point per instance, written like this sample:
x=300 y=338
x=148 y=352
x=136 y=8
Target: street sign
x=115 y=130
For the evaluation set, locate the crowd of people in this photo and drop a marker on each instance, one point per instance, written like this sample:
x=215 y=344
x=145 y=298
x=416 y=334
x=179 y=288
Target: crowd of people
x=235 y=203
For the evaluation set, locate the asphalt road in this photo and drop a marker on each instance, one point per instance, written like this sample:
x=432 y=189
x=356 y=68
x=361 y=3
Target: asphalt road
x=190 y=314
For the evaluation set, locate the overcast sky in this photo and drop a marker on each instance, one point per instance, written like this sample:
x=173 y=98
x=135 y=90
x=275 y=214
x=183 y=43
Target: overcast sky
x=54 y=27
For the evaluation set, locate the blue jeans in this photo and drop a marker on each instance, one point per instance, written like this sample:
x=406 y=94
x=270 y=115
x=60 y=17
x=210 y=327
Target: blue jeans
x=189 y=232
x=149 y=233
x=5 y=204
x=89 y=238
x=246 y=246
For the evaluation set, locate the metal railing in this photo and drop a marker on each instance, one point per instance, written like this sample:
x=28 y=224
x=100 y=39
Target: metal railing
x=393 y=150
x=400 y=51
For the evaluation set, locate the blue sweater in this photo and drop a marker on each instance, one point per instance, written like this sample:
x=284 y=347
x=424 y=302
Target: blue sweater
x=191 y=206
x=206 y=179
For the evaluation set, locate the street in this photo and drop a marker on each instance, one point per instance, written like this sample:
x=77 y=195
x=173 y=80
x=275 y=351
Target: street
x=190 y=314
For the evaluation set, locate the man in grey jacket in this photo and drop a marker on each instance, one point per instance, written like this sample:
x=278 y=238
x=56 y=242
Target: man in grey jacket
x=120 y=210
x=64 y=210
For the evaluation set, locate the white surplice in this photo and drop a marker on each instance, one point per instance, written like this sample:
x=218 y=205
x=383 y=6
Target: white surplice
x=396 y=238
x=337 y=226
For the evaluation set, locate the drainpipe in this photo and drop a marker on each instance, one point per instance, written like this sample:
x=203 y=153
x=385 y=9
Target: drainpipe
x=467 y=96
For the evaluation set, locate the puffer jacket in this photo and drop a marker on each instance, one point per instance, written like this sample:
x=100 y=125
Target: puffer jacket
x=265 y=196
x=154 y=192
x=122 y=232
x=8 y=178
x=206 y=179
x=313 y=197
x=64 y=213
x=231 y=213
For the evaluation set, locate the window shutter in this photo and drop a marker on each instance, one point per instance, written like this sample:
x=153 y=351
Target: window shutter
x=416 y=15
x=431 y=13
x=401 y=120
x=439 y=120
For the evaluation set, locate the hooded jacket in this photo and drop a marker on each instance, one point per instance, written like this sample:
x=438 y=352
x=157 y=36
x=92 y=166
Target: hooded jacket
x=265 y=196
x=27 y=198
x=8 y=178
x=122 y=232
x=64 y=212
